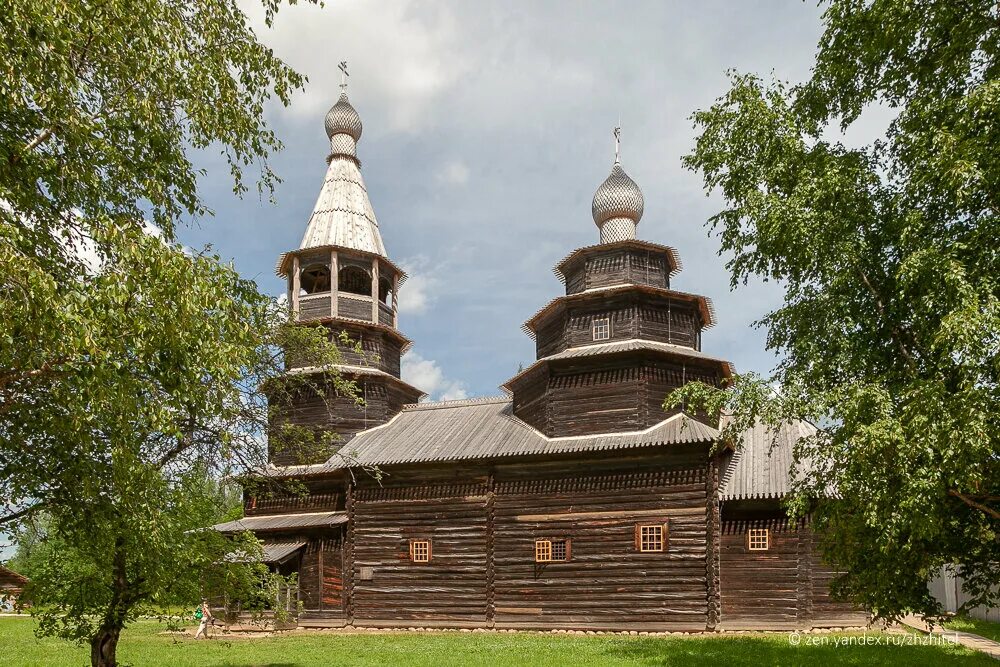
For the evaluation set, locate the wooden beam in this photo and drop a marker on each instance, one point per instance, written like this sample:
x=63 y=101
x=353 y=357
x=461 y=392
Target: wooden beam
x=334 y=283
x=375 y=291
x=296 y=286
x=395 y=301
x=713 y=540
x=618 y=514
x=322 y=575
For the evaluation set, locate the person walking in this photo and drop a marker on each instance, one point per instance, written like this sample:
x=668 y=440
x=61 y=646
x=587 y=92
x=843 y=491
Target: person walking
x=204 y=615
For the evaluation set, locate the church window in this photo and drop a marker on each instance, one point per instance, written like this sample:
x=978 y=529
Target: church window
x=420 y=551
x=650 y=537
x=315 y=278
x=758 y=539
x=355 y=280
x=602 y=328
x=551 y=551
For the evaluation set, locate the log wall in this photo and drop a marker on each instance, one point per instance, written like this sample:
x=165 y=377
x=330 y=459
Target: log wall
x=388 y=588
x=784 y=587
x=607 y=582
x=631 y=316
x=617 y=267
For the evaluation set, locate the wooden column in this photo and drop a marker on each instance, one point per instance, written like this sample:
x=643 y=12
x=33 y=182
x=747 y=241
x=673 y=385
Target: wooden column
x=490 y=551
x=348 y=559
x=375 y=291
x=395 y=301
x=296 y=286
x=334 y=283
x=713 y=541
x=319 y=558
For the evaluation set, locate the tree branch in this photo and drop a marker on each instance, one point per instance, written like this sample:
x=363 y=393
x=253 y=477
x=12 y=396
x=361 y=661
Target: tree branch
x=897 y=336
x=972 y=503
x=20 y=514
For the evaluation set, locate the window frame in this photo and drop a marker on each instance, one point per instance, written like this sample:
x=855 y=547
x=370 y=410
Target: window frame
x=664 y=536
x=413 y=551
x=544 y=545
x=605 y=324
x=764 y=533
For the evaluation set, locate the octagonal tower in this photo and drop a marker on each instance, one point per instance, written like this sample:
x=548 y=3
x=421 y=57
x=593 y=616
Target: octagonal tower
x=620 y=339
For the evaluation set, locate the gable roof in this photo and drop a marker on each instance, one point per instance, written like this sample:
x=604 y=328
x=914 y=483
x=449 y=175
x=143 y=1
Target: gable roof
x=484 y=429
x=761 y=466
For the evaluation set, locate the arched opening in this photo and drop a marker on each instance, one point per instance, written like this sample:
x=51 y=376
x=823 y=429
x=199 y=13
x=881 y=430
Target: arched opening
x=355 y=280
x=384 y=290
x=314 y=279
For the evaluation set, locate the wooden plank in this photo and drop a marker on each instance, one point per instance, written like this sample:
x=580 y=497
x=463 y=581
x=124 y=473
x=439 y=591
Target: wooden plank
x=684 y=511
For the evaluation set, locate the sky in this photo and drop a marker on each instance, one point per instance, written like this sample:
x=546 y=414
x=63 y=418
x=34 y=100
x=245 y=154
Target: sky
x=487 y=129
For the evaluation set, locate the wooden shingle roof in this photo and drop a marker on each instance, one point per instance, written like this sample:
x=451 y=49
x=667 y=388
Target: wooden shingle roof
x=484 y=429
x=761 y=466
x=282 y=522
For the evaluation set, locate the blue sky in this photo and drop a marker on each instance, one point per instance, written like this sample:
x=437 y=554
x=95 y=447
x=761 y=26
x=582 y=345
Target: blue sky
x=487 y=128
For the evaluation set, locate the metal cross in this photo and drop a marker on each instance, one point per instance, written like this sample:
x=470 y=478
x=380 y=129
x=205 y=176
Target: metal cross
x=343 y=76
x=618 y=141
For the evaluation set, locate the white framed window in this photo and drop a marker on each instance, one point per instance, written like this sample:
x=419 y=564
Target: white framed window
x=602 y=328
x=420 y=551
x=758 y=539
x=551 y=551
x=649 y=537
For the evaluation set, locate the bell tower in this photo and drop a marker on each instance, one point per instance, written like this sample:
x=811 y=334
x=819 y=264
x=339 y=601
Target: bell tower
x=620 y=339
x=341 y=278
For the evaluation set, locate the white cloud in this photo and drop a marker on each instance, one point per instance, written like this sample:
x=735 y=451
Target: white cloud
x=416 y=294
x=453 y=173
x=425 y=374
x=417 y=55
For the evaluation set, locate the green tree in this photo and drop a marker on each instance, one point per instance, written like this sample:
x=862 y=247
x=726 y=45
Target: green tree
x=168 y=361
x=129 y=365
x=888 y=257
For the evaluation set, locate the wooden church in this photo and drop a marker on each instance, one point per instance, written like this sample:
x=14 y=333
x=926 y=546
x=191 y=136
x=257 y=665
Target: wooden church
x=572 y=501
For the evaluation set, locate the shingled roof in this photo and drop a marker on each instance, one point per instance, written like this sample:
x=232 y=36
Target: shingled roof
x=484 y=429
x=282 y=522
x=761 y=466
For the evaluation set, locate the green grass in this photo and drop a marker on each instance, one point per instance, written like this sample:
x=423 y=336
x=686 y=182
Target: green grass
x=142 y=645
x=988 y=629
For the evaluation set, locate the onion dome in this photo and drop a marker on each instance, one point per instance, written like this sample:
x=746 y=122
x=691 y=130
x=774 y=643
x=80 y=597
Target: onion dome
x=617 y=206
x=343 y=119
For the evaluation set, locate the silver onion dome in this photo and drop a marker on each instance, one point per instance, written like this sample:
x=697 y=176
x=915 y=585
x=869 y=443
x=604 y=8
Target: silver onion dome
x=343 y=119
x=617 y=206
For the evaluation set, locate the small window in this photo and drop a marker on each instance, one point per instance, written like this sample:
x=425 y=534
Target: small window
x=758 y=539
x=602 y=329
x=551 y=551
x=420 y=551
x=649 y=537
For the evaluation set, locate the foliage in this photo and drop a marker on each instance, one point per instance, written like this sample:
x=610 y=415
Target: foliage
x=161 y=362
x=145 y=645
x=887 y=254
x=130 y=367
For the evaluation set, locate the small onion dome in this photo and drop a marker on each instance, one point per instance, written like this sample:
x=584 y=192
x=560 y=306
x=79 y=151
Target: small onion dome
x=343 y=119
x=617 y=197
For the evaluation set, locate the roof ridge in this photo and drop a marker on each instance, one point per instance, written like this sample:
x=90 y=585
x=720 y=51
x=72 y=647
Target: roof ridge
x=437 y=405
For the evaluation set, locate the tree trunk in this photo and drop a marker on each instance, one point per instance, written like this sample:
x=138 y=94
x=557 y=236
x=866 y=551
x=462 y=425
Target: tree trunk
x=104 y=643
x=103 y=647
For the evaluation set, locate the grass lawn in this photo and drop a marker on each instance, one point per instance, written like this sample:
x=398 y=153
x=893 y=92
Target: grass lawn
x=988 y=629
x=142 y=645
